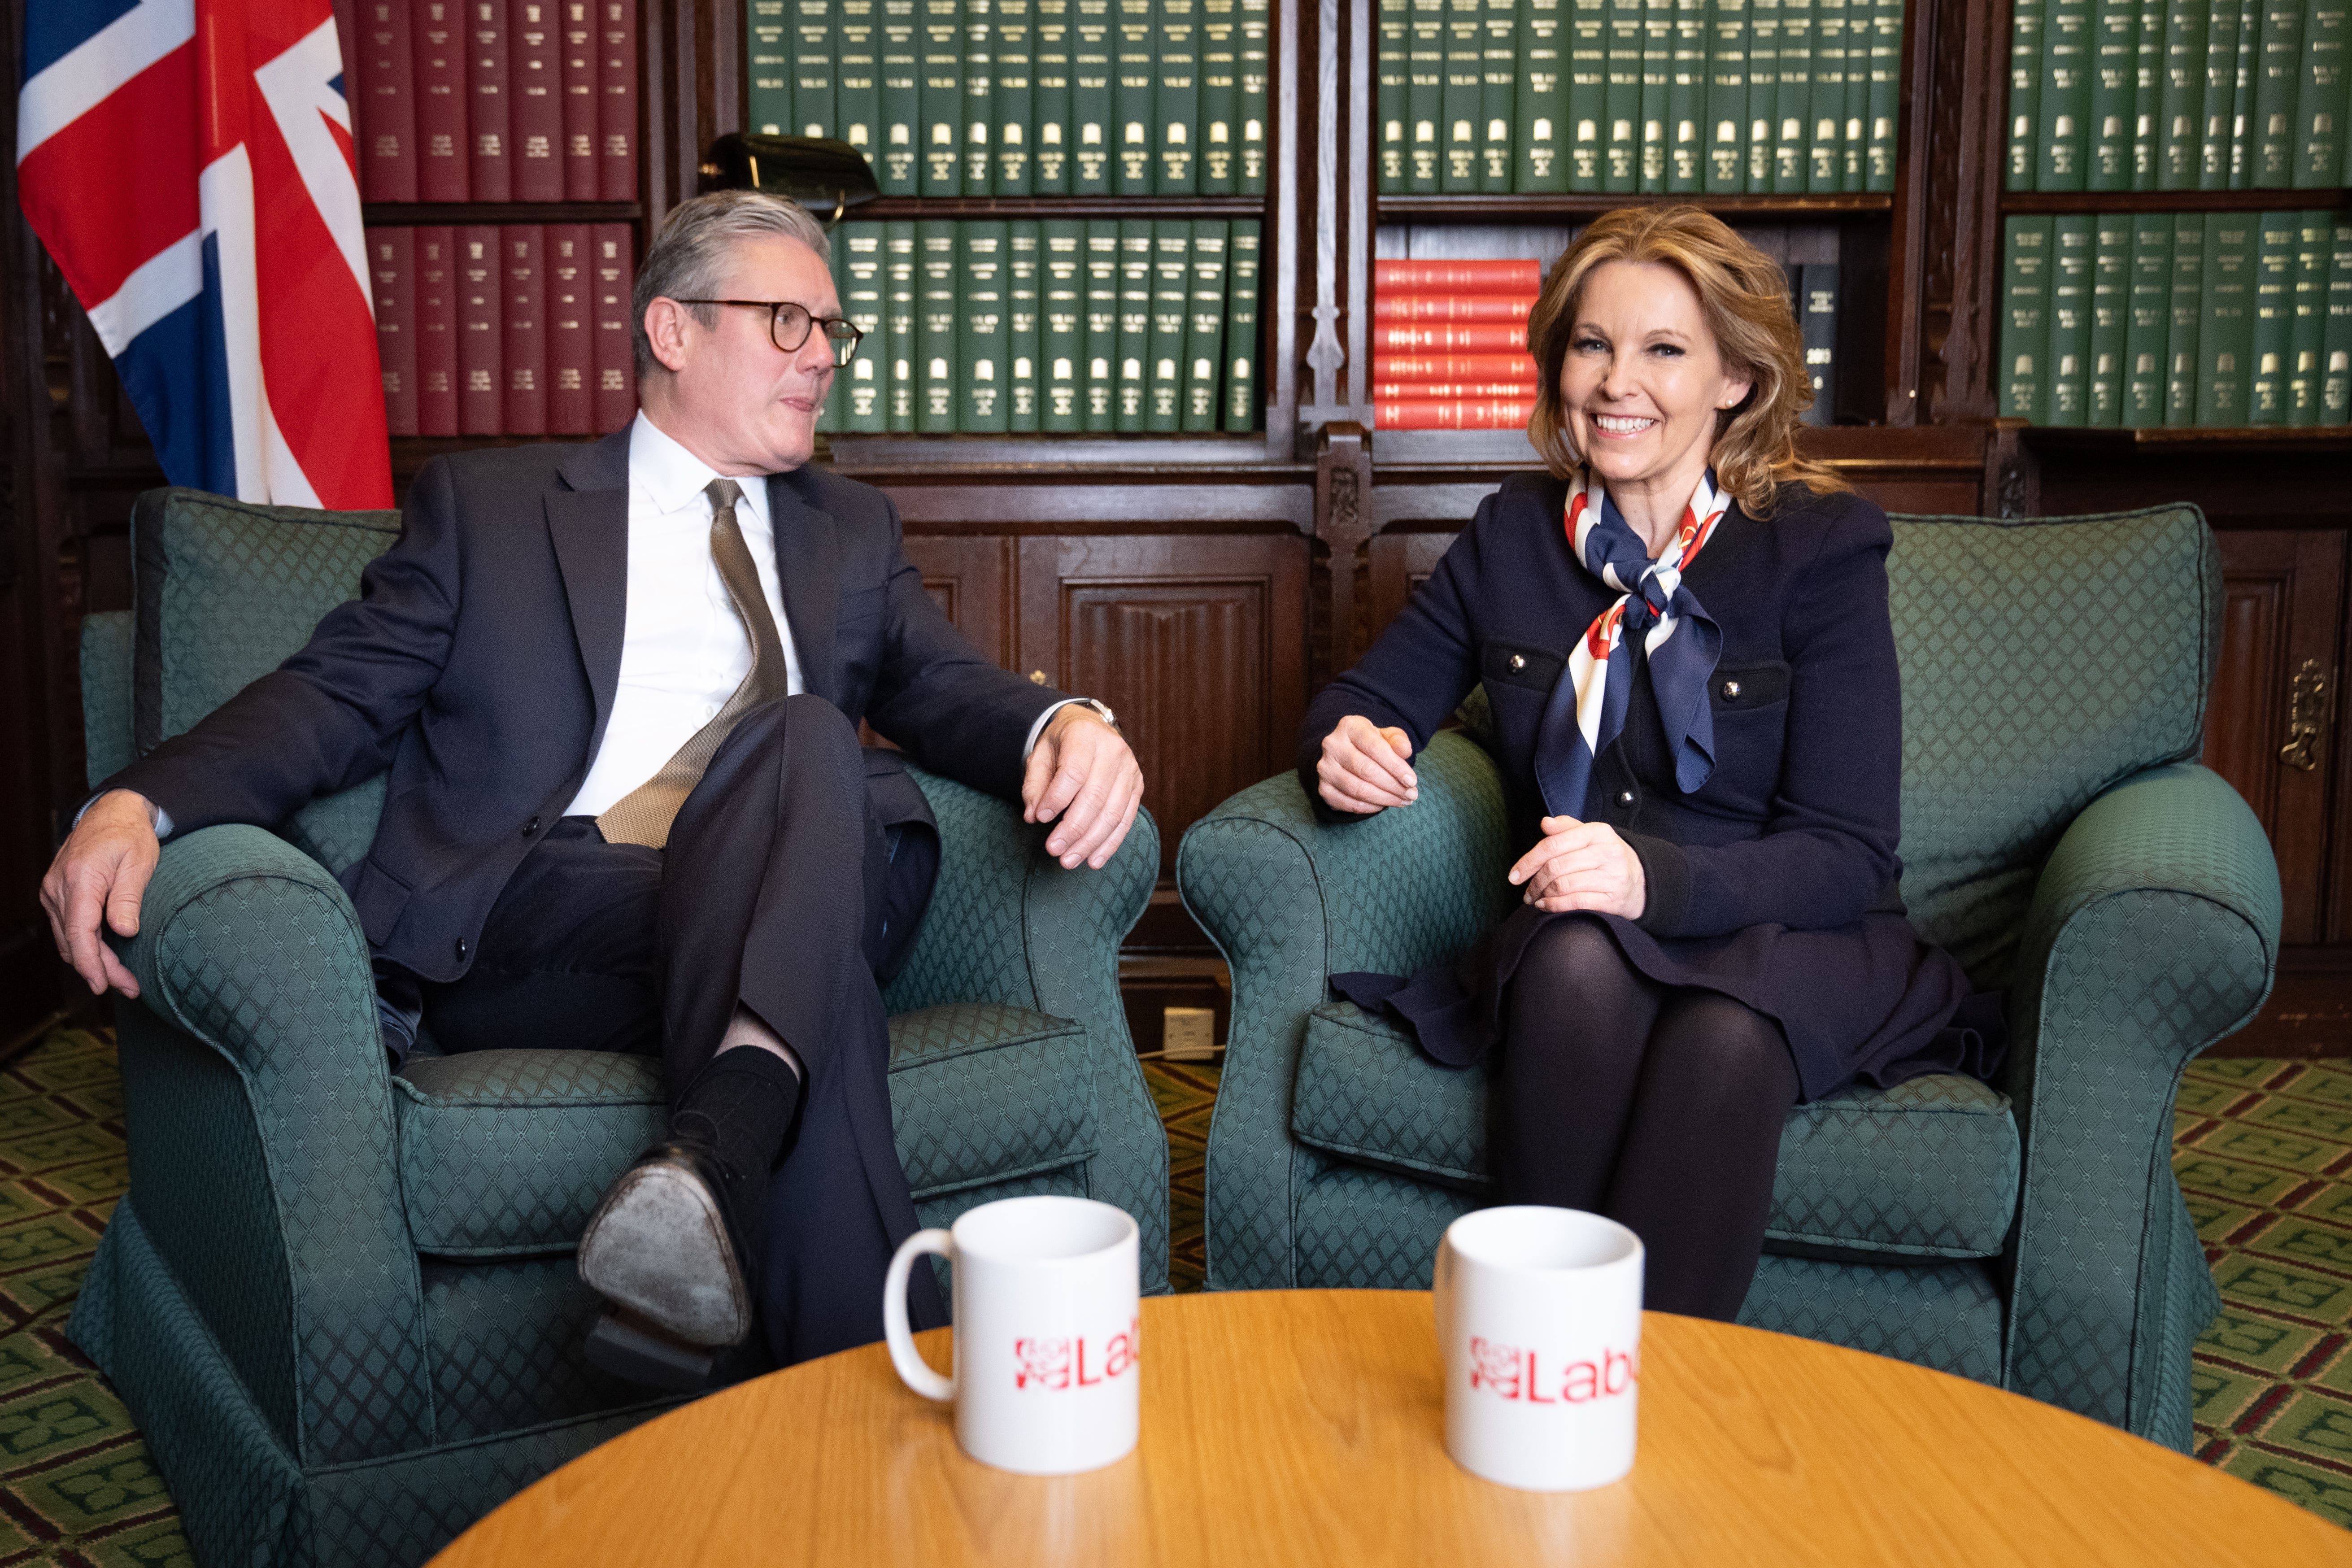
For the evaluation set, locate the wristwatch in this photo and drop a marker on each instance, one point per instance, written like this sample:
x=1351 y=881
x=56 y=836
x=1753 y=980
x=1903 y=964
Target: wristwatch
x=1102 y=711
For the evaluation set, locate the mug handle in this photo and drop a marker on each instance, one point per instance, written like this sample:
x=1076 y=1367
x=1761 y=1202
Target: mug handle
x=913 y=1369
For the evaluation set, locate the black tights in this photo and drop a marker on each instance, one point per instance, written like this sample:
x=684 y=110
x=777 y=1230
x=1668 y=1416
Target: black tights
x=1660 y=1106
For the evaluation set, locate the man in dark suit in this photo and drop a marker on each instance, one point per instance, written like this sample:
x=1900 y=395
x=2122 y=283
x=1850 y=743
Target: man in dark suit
x=618 y=688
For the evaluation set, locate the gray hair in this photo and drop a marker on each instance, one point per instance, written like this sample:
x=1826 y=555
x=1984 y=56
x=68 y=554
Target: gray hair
x=688 y=259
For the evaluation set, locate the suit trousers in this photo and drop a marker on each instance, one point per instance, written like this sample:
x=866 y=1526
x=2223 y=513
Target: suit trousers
x=793 y=882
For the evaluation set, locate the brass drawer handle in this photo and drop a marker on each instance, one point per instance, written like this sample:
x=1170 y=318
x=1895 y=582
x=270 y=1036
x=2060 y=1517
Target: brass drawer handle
x=2306 y=717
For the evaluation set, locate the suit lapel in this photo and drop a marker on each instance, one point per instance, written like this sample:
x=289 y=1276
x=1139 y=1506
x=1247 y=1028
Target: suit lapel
x=588 y=524
x=808 y=566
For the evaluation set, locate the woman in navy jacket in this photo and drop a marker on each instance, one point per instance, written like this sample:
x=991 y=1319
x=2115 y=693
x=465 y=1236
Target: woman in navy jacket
x=1684 y=637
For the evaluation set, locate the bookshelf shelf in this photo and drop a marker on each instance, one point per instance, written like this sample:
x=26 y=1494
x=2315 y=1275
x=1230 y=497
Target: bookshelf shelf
x=2021 y=202
x=999 y=455
x=1057 y=206
x=384 y=215
x=1527 y=209
x=2236 y=441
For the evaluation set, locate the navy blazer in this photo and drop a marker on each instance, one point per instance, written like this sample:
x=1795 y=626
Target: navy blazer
x=1798 y=824
x=480 y=660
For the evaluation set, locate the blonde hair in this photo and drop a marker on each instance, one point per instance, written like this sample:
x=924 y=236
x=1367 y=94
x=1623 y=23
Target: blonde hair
x=1745 y=299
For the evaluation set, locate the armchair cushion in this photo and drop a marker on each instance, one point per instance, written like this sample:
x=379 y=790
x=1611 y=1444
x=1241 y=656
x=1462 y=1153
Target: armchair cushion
x=1928 y=1170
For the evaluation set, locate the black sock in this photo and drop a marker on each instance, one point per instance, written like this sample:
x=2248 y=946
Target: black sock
x=742 y=1107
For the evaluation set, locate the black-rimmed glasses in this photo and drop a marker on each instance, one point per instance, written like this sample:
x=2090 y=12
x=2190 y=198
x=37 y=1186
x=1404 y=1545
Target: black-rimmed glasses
x=789 y=326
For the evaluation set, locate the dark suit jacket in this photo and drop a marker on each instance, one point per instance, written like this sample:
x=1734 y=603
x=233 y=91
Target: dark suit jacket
x=480 y=665
x=1799 y=822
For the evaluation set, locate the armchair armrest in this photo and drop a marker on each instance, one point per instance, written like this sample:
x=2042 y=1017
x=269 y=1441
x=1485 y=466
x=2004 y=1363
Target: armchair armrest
x=2153 y=933
x=1290 y=899
x=262 y=1140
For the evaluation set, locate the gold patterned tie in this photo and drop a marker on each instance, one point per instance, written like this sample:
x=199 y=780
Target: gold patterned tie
x=645 y=813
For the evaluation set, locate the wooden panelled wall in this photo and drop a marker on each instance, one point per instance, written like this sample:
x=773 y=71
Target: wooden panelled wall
x=1206 y=587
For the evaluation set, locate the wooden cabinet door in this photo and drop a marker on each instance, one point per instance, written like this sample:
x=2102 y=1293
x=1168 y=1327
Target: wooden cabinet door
x=2282 y=599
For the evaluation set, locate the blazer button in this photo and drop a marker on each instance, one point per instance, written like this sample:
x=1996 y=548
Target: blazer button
x=1731 y=691
x=1518 y=661
x=531 y=828
x=1624 y=797
x=461 y=949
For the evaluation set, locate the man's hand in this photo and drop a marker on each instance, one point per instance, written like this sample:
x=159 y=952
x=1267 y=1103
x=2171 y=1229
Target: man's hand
x=102 y=870
x=1581 y=866
x=1082 y=772
x=1364 y=768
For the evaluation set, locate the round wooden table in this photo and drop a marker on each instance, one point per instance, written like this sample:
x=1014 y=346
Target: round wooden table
x=1307 y=1427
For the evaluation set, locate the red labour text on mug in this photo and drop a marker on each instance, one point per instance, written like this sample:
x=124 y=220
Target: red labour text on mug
x=1508 y=1371
x=1078 y=1362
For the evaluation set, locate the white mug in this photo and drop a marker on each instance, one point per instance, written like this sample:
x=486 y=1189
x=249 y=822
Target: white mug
x=1047 y=1332
x=1540 y=1324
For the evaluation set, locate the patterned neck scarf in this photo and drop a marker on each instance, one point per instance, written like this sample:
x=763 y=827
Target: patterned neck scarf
x=1587 y=708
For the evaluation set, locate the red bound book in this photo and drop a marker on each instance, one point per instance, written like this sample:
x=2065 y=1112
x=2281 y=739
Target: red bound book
x=537 y=75
x=571 y=335
x=614 y=274
x=579 y=99
x=383 y=102
x=391 y=281
x=1458 y=276
x=1452 y=391
x=523 y=329
x=1452 y=308
x=435 y=317
x=1477 y=337
x=617 y=114
x=1453 y=367
x=482 y=406
x=1455 y=414
x=489 y=100
x=439 y=76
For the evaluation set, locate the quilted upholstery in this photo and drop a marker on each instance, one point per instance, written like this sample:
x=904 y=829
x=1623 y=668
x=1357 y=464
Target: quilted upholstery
x=1928 y=1169
x=106 y=643
x=2055 y=837
x=507 y=1340
x=998 y=1092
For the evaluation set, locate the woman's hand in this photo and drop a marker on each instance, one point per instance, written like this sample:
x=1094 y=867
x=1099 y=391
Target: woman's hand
x=1364 y=768
x=1581 y=865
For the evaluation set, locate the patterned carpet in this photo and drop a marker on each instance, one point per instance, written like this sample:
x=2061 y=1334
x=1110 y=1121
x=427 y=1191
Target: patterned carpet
x=2264 y=1149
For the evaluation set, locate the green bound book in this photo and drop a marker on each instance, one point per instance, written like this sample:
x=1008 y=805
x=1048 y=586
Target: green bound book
x=1657 y=82
x=2025 y=317
x=2150 y=307
x=898 y=319
x=979 y=96
x=1016 y=95
x=1062 y=338
x=1171 y=299
x=1135 y=48
x=2025 y=31
x=1050 y=136
x=1726 y=97
x=1620 y=106
x=2110 y=316
x=895 y=168
x=813 y=41
x=768 y=98
x=1825 y=121
x=936 y=265
x=983 y=320
x=1023 y=332
x=940 y=165
x=2241 y=95
x=1588 y=91
x=864 y=281
x=2277 y=74
x=1885 y=92
x=1792 y=104
x=2061 y=141
x=2115 y=55
x=2225 y=338
x=1134 y=322
x=2335 y=341
x=2307 y=339
x=2270 y=360
x=1091 y=47
x=2215 y=135
x=1176 y=103
x=1687 y=100
x=1817 y=308
x=1255 y=61
x=1541 y=107
x=2067 y=380
x=1457 y=124
x=1099 y=281
x=2320 y=105
x=1395 y=21
x=1763 y=91
x=2148 y=93
x=834 y=417
x=1498 y=70
x=1205 y=327
x=1221 y=89
x=1241 y=328
x=2180 y=113
x=1861 y=32
x=2184 y=317
x=858 y=81
x=1424 y=96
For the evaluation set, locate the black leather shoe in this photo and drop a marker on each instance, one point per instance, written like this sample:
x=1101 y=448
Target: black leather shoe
x=666 y=1248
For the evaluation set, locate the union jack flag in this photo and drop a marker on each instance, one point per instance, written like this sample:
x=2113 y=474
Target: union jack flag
x=189 y=165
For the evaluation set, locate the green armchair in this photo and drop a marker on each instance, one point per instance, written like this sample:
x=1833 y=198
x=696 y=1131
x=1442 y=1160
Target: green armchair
x=2059 y=839
x=341 y=1301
